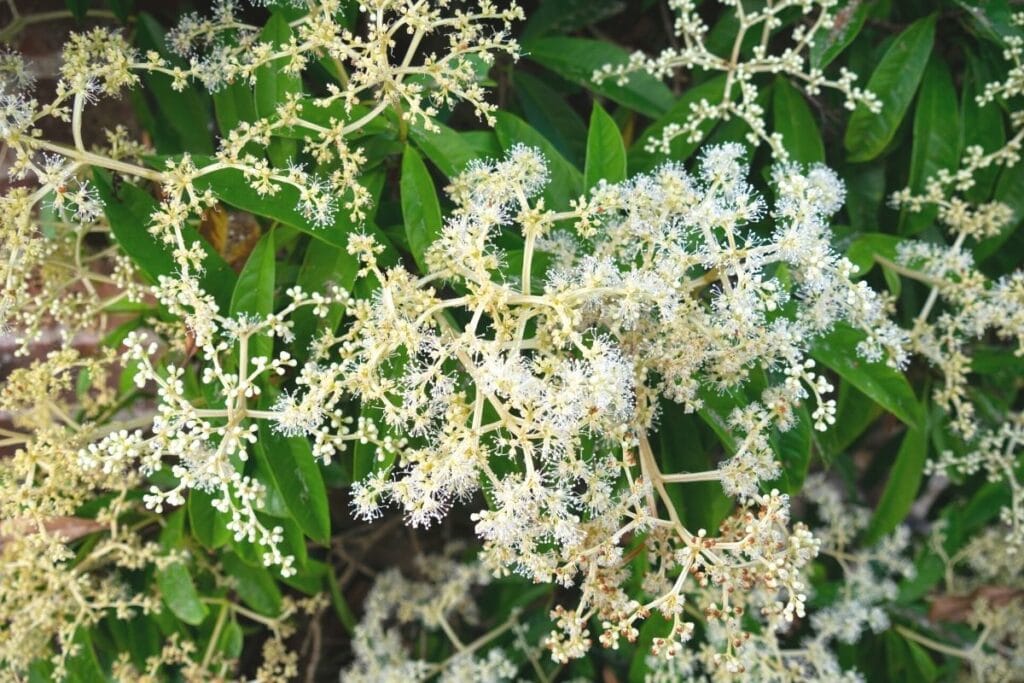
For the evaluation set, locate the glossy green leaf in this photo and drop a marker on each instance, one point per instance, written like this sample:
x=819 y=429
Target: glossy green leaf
x=231 y=639
x=231 y=187
x=865 y=195
x=606 y=152
x=793 y=449
x=850 y=18
x=254 y=585
x=547 y=110
x=576 y=59
x=83 y=666
x=254 y=292
x=867 y=246
x=902 y=485
x=935 y=147
x=854 y=414
x=894 y=81
x=421 y=210
x=206 y=523
x=232 y=105
x=991 y=19
x=175 y=582
x=78 y=8
x=449 y=150
x=563 y=16
x=273 y=86
x=566 y=181
x=701 y=504
x=297 y=476
x=1009 y=190
x=980 y=125
x=323 y=265
x=179 y=593
x=888 y=387
x=795 y=122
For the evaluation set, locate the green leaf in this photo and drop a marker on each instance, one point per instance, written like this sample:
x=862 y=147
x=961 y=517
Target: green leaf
x=232 y=105
x=128 y=210
x=793 y=449
x=935 y=147
x=681 y=147
x=854 y=413
x=606 y=152
x=297 y=476
x=447 y=149
x=576 y=59
x=122 y=9
x=231 y=639
x=992 y=19
x=421 y=211
x=208 y=525
x=564 y=16
x=274 y=85
x=702 y=504
x=254 y=585
x=254 y=292
x=179 y=593
x=83 y=666
x=175 y=582
x=322 y=265
x=78 y=8
x=849 y=21
x=864 y=249
x=566 y=181
x=865 y=195
x=980 y=125
x=894 y=81
x=902 y=485
x=886 y=386
x=1010 y=191
x=795 y=122
x=547 y=110
x=231 y=187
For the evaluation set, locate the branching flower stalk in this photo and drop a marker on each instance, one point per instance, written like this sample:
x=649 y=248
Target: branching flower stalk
x=742 y=66
x=976 y=303
x=546 y=396
x=222 y=51
x=50 y=591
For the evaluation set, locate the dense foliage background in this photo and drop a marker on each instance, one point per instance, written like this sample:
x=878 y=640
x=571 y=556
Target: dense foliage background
x=926 y=61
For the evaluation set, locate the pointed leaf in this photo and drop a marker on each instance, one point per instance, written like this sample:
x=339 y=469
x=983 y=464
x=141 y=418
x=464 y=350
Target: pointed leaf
x=606 y=152
x=576 y=59
x=795 y=122
x=254 y=292
x=886 y=386
x=901 y=488
x=894 y=81
x=298 y=478
x=421 y=211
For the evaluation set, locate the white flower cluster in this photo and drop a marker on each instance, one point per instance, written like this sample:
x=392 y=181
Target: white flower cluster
x=758 y=24
x=869 y=584
x=442 y=600
x=974 y=305
x=208 y=443
x=543 y=399
x=996 y=452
